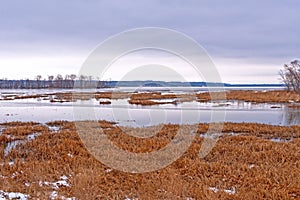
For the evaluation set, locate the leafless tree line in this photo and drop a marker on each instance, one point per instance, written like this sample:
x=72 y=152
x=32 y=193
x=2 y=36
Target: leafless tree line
x=290 y=75
x=58 y=81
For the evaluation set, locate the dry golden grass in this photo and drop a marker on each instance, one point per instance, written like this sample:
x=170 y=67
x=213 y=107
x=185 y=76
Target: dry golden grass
x=24 y=130
x=256 y=168
x=274 y=96
x=148 y=98
x=152 y=95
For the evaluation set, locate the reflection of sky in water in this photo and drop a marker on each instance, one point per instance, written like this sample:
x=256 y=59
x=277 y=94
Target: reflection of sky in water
x=136 y=115
x=166 y=90
x=13 y=144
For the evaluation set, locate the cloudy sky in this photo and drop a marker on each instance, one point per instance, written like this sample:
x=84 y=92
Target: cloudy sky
x=248 y=40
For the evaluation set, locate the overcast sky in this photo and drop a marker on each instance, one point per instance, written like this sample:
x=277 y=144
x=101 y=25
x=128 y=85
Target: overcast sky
x=248 y=40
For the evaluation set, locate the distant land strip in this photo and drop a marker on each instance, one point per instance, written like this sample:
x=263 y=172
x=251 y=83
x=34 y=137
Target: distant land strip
x=89 y=83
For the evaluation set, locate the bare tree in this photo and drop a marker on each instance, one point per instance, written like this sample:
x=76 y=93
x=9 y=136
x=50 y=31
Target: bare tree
x=82 y=79
x=38 y=80
x=59 y=81
x=50 y=78
x=27 y=83
x=90 y=79
x=73 y=77
x=290 y=75
x=67 y=81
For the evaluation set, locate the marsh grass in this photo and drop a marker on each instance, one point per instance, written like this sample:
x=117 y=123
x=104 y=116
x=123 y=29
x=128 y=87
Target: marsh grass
x=147 y=98
x=250 y=163
x=273 y=96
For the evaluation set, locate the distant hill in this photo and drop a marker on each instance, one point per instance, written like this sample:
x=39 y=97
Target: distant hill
x=183 y=84
x=43 y=84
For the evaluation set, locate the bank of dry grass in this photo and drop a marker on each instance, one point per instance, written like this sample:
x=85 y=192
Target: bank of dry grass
x=249 y=164
x=147 y=98
x=273 y=96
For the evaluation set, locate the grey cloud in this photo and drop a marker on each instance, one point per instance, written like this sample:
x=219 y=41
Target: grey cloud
x=250 y=29
x=241 y=28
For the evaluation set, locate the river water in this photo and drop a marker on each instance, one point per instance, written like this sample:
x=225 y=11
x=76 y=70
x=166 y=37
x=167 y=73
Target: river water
x=123 y=113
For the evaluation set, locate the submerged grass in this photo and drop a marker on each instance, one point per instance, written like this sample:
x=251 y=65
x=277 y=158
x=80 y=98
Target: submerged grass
x=244 y=166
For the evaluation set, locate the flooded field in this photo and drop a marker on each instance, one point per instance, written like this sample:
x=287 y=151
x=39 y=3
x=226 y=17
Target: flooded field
x=249 y=161
x=256 y=153
x=125 y=109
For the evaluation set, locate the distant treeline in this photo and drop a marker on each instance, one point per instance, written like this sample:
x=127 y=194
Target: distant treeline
x=60 y=82
x=73 y=81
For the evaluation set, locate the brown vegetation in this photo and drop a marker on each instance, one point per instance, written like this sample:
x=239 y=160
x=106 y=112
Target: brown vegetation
x=274 y=96
x=150 y=98
x=249 y=164
x=152 y=95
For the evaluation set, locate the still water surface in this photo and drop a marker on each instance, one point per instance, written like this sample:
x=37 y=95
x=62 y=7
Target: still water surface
x=123 y=113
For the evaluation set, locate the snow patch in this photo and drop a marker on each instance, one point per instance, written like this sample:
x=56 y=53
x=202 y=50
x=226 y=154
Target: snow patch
x=14 y=174
x=131 y=198
x=13 y=144
x=53 y=195
x=54 y=128
x=13 y=195
x=57 y=184
x=70 y=155
x=63 y=182
x=251 y=166
x=228 y=191
x=280 y=140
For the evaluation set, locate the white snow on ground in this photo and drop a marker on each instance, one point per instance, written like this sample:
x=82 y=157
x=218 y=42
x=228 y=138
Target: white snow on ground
x=70 y=155
x=215 y=190
x=63 y=182
x=11 y=163
x=280 y=140
x=64 y=198
x=13 y=195
x=13 y=144
x=54 y=128
x=231 y=192
x=57 y=184
x=251 y=166
x=53 y=195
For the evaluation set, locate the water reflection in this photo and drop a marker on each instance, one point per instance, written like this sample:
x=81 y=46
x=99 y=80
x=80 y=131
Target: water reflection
x=291 y=116
x=126 y=114
x=14 y=144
